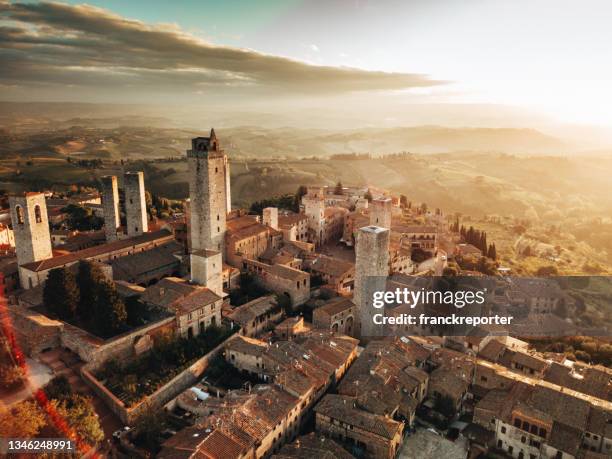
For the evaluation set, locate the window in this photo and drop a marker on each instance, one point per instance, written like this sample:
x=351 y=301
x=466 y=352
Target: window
x=503 y=429
x=523 y=439
x=517 y=423
x=37 y=214
x=19 y=212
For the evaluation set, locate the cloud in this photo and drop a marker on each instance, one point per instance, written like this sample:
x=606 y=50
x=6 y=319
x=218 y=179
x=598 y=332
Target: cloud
x=53 y=44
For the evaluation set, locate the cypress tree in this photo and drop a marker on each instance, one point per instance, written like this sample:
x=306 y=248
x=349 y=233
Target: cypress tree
x=89 y=277
x=61 y=293
x=109 y=312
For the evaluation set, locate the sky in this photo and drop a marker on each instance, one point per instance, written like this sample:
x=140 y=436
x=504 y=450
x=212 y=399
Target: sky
x=550 y=58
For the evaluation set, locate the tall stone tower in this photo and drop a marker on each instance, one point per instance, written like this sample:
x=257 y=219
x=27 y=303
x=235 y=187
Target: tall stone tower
x=314 y=208
x=228 y=194
x=110 y=203
x=207 y=270
x=135 y=203
x=270 y=217
x=31 y=228
x=371 y=271
x=207 y=193
x=380 y=212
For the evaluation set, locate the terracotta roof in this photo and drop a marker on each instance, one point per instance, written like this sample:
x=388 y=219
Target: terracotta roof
x=335 y=306
x=195 y=300
x=328 y=265
x=312 y=446
x=249 y=311
x=246 y=345
x=99 y=250
x=565 y=438
x=219 y=445
x=167 y=291
x=343 y=409
x=131 y=267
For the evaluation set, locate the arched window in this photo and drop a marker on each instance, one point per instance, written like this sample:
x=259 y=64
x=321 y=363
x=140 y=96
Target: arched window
x=19 y=212
x=37 y=214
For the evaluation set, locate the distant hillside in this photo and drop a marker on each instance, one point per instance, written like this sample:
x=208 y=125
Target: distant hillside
x=251 y=141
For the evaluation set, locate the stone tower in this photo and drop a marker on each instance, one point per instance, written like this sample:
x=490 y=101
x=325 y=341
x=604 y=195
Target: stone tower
x=207 y=193
x=270 y=217
x=314 y=208
x=135 y=204
x=228 y=194
x=371 y=271
x=380 y=212
x=31 y=228
x=207 y=270
x=110 y=203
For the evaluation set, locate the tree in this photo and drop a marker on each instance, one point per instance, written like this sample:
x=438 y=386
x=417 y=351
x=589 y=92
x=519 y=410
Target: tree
x=109 y=312
x=492 y=252
x=81 y=218
x=89 y=277
x=79 y=413
x=58 y=388
x=403 y=201
x=297 y=200
x=339 y=189
x=368 y=195
x=23 y=420
x=61 y=293
x=149 y=427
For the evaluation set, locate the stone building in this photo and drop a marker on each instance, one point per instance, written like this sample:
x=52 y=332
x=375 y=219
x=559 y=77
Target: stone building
x=207 y=270
x=377 y=436
x=422 y=237
x=35 y=273
x=337 y=315
x=283 y=280
x=314 y=208
x=196 y=308
x=135 y=204
x=256 y=316
x=293 y=226
x=247 y=238
x=371 y=271
x=31 y=232
x=270 y=217
x=208 y=193
x=110 y=204
x=380 y=212
x=337 y=274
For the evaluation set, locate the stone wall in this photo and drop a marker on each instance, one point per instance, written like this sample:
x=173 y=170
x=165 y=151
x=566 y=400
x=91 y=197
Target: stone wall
x=157 y=399
x=110 y=203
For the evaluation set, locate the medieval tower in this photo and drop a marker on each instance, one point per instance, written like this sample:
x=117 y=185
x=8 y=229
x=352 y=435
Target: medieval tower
x=31 y=229
x=371 y=271
x=135 y=204
x=270 y=217
x=110 y=203
x=380 y=212
x=208 y=193
x=314 y=208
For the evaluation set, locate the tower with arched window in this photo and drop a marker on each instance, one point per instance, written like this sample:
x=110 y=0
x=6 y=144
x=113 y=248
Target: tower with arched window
x=31 y=228
x=208 y=193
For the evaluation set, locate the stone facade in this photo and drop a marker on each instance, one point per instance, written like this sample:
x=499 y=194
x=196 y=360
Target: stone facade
x=371 y=271
x=380 y=212
x=207 y=193
x=314 y=207
x=31 y=229
x=135 y=204
x=270 y=217
x=207 y=270
x=280 y=279
x=110 y=203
